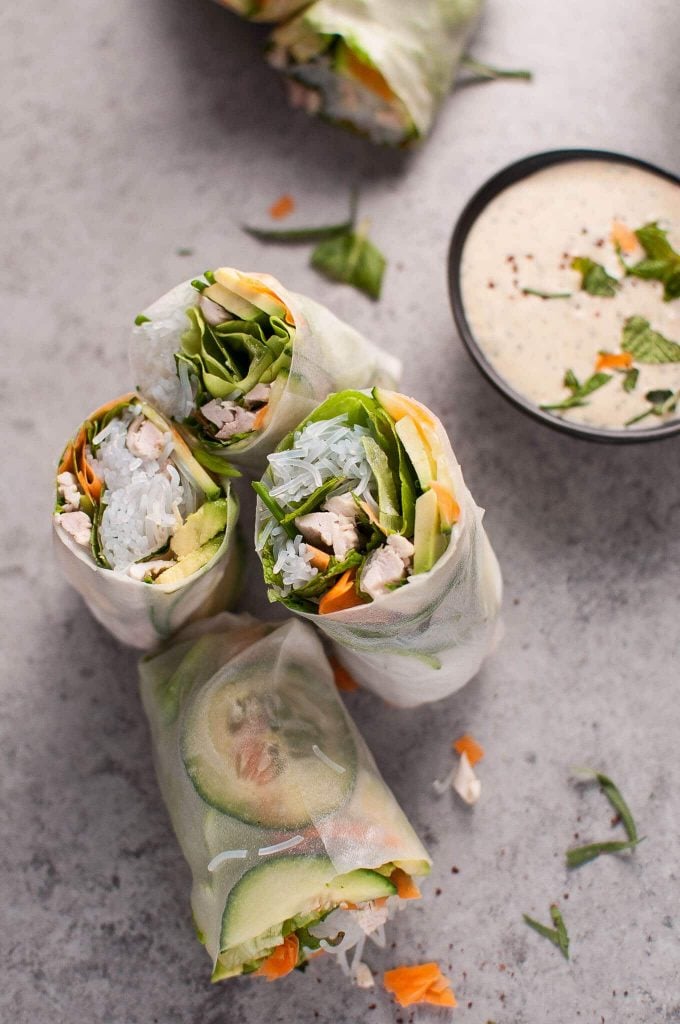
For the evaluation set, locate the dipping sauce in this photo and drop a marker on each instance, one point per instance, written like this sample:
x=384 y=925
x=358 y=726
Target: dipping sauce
x=526 y=238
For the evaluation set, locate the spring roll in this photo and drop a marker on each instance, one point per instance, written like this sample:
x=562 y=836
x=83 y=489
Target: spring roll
x=239 y=361
x=294 y=841
x=381 y=67
x=265 y=10
x=141 y=530
x=364 y=526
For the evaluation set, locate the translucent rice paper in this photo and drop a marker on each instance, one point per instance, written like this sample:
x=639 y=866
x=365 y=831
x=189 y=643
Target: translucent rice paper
x=415 y=44
x=264 y=10
x=328 y=355
x=426 y=639
x=367 y=831
x=140 y=614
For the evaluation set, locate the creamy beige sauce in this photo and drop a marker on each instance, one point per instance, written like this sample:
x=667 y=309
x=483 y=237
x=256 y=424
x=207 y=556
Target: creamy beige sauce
x=527 y=237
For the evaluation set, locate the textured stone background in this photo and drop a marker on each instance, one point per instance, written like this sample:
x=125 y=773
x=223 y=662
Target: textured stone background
x=133 y=131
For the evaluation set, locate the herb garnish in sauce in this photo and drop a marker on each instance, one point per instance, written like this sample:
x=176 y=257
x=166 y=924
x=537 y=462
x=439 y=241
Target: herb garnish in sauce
x=557 y=935
x=579 y=391
x=594 y=278
x=646 y=345
x=661 y=402
x=546 y=295
x=662 y=262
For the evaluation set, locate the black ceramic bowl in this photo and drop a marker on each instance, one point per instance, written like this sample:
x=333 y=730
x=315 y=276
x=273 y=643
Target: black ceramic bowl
x=500 y=181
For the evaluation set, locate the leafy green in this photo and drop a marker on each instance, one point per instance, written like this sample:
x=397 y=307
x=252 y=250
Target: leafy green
x=557 y=935
x=481 y=72
x=615 y=798
x=546 y=295
x=141 y=319
x=630 y=379
x=582 y=854
x=662 y=262
x=661 y=402
x=351 y=258
x=389 y=514
x=594 y=278
x=215 y=463
x=646 y=345
x=579 y=391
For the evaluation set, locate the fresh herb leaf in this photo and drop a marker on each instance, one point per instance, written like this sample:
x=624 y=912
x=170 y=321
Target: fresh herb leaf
x=141 y=319
x=661 y=403
x=646 y=345
x=582 y=854
x=274 y=508
x=615 y=798
x=578 y=391
x=546 y=295
x=557 y=935
x=481 y=72
x=594 y=278
x=320 y=233
x=352 y=259
x=630 y=379
x=662 y=262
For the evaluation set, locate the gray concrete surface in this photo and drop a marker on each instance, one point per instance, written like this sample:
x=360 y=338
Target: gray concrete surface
x=135 y=131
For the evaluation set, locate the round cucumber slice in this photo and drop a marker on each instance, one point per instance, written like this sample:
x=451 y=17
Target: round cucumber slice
x=286 y=888
x=275 y=752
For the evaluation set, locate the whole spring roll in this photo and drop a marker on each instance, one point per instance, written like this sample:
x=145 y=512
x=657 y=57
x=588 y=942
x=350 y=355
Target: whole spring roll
x=141 y=530
x=265 y=10
x=364 y=525
x=381 y=67
x=240 y=360
x=294 y=841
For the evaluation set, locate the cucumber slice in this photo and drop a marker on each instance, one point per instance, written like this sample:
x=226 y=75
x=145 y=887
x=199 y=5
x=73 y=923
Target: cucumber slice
x=248 y=747
x=290 y=887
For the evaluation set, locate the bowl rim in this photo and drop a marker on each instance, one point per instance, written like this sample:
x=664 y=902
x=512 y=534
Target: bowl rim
x=497 y=183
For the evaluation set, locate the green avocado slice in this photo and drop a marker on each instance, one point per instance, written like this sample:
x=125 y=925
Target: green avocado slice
x=191 y=563
x=200 y=527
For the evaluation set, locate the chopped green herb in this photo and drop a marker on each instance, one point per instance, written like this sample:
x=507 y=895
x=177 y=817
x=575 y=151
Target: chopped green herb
x=199 y=285
x=615 y=798
x=184 y=251
x=661 y=403
x=546 y=295
x=319 y=233
x=274 y=508
x=578 y=391
x=594 y=278
x=630 y=379
x=557 y=935
x=646 y=345
x=209 y=276
x=662 y=262
x=582 y=854
x=352 y=259
x=481 y=72
x=141 y=319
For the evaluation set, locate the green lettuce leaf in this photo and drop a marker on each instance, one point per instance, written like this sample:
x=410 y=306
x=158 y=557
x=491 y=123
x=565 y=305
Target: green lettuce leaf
x=352 y=259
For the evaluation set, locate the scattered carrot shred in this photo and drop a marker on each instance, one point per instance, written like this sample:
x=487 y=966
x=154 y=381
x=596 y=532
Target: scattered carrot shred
x=343 y=680
x=421 y=983
x=614 y=361
x=282 y=961
x=260 y=417
x=406 y=887
x=467 y=744
x=449 y=509
x=283 y=207
x=341 y=596
x=622 y=236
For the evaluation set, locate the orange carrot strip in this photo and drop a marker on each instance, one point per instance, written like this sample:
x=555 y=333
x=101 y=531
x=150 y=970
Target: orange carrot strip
x=283 y=207
x=369 y=77
x=467 y=744
x=343 y=680
x=622 y=236
x=614 y=361
x=406 y=887
x=282 y=961
x=449 y=509
x=320 y=559
x=341 y=596
x=422 y=983
x=260 y=417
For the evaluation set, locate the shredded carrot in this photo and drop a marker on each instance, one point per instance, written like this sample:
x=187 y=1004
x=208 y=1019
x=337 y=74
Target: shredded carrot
x=320 y=559
x=369 y=77
x=283 y=207
x=421 y=983
x=449 y=509
x=467 y=744
x=398 y=406
x=282 y=961
x=614 y=361
x=341 y=596
x=406 y=887
x=260 y=417
x=622 y=236
x=343 y=680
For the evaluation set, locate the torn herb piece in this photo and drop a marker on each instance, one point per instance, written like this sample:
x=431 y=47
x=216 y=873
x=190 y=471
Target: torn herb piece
x=582 y=854
x=352 y=259
x=578 y=391
x=558 y=935
x=630 y=379
x=546 y=295
x=481 y=72
x=594 y=278
x=141 y=319
x=662 y=262
x=647 y=345
x=615 y=798
x=661 y=403
x=320 y=233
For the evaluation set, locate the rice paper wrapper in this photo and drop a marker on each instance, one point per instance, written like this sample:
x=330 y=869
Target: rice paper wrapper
x=350 y=816
x=327 y=355
x=141 y=614
x=416 y=45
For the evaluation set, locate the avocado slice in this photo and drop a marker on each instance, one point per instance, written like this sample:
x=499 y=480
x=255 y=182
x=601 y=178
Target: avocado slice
x=190 y=564
x=416 y=450
x=428 y=539
x=200 y=527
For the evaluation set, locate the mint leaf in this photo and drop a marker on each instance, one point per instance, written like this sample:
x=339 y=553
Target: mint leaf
x=579 y=391
x=662 y=262
x=646 y=345
x=352 y=259
x=594 y=278
x=630 y=379
x=661 y=403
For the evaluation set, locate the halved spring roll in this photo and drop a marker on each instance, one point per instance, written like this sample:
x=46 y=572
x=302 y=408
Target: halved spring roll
x=240 y=360
x=365 y=526
x=381 y=67
x=141 y=530
x=294 y=841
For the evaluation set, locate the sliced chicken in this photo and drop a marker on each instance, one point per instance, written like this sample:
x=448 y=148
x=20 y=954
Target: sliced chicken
x=344 y=536
x=213 y=313
x=317 y=528
x=259 y=395
x=144 y=439
x=67 y=486
x=77 y=525
x=140 y=570
x=229 y=417
x=382 y=567
x=402 y=547
x=342 y=505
